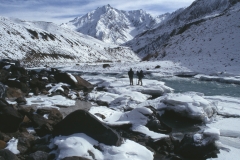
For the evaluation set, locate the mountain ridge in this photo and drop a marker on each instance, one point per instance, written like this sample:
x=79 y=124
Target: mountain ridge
x=112 y=25
x=46 y=43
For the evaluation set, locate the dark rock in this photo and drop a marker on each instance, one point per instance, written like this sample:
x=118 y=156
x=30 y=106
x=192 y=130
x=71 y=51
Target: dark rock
x=36 y=119
x=37 y=83
x=156 y=125
x=24 y=79
x=14 y=93
x=7 y=155
x=158 y=66
x=4 y=137
x=162 y=145
x=14 y=69
x=2 y=144
x=2 y=90
x=3 y=103
x=16 y=84
x=42 y=144
x=106 y=65
x=36 y=91
x=42 y=125
x=10 y=119
x=25 y=141
x=39 y=155
x=44 y=129
x=54 y=115
x=43 y=73
x=4 y=75
x=81 y=121
x=51 y=79
x=75 y=158
x=4 y=62
x=79 y=84
x=21 y=100
x=203 y=149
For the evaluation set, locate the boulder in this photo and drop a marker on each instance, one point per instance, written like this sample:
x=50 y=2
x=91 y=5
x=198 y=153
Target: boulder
x=2 y=90
x=42 y=125
x=21 y=100
x=16 y=84
x=10 y=119
x=14 y=93
x=36 y=83
x=158 y=66
x=192 y=146
x=24 y=79
x=106 y=65
x=25 y=141
x=54 y=115
x=81 y=121
x=4 y=75
x=74 y=80
x=7 y=155
x=2 y=144
x=18 y=70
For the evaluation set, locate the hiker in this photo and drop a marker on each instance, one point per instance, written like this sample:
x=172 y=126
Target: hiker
x=140 y=77
x=130 y=74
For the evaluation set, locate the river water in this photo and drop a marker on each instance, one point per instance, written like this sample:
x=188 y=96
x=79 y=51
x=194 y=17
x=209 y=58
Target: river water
x=209 y=88
x=180 y=85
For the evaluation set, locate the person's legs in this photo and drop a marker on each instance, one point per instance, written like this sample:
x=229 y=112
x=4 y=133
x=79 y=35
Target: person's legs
x=140 y=81
x=131 y=81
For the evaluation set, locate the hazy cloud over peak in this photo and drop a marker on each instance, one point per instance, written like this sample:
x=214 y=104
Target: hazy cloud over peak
x=60 y=11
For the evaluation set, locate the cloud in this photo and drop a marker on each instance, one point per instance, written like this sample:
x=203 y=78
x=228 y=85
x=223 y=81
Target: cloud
x=60 y=11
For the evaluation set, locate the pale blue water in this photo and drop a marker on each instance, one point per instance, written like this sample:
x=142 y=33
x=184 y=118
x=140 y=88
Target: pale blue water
x=209 y=88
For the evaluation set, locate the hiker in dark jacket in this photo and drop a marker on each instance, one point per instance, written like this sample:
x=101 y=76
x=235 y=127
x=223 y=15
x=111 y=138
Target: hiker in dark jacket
x=140 y=77
x=130 y=74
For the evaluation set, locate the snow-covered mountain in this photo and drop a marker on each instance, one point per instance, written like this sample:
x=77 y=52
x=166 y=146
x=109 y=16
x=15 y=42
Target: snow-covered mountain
x=203 y=34
x=114 y=26
x=47 y=43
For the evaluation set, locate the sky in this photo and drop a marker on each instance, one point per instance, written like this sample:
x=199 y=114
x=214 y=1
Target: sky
x=61 y=11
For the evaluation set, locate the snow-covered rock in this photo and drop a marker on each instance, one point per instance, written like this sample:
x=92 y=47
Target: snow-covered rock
x=190 y=104
x=114 y=26
x=136 y=117
x=81 y=145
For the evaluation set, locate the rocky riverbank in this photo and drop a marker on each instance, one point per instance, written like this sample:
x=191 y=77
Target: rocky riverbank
x=57 y=115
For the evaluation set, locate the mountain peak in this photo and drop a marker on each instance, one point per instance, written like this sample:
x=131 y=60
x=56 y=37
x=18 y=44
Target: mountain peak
x=105 y=8
x=112 y=25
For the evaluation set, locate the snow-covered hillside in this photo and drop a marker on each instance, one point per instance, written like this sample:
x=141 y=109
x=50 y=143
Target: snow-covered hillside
x=114 y=26
x=47 y=43
x=205 y=35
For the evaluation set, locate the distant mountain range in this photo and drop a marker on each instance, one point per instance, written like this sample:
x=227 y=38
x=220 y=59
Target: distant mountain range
x=115 y=26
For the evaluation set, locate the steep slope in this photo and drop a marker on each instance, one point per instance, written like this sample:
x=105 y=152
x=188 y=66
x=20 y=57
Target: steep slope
x=203 y=35
x=47 y=43
x=114 y=26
